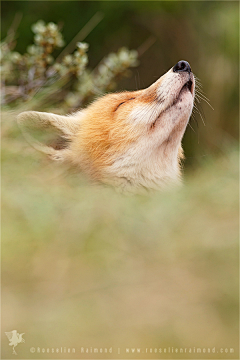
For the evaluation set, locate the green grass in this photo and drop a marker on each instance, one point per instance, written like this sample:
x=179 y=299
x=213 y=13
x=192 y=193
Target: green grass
x=86 y=266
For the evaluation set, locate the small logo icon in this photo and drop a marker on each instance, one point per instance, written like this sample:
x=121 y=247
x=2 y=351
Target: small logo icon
x=14 y=339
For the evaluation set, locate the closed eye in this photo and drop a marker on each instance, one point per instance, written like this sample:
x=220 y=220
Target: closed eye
x=123 y=103
x=119 y=105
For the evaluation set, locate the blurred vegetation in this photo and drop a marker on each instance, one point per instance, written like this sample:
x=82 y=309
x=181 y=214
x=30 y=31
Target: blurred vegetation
x=85 y=266
x=64 y=80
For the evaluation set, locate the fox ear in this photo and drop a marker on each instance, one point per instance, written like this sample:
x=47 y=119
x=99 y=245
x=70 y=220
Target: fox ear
x=49 y=133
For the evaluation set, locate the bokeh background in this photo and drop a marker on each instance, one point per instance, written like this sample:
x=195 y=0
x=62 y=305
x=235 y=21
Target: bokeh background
x=85 y=266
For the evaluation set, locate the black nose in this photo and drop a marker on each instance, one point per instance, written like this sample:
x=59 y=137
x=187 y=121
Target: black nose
x=182 y=66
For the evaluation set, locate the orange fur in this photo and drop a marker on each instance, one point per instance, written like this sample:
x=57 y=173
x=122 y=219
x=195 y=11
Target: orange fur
x=104 y=132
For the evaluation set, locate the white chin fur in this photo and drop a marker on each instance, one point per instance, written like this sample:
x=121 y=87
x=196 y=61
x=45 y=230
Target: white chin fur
x=152 y=161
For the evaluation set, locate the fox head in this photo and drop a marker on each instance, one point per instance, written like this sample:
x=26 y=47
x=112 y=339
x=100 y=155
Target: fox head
x=128 y=139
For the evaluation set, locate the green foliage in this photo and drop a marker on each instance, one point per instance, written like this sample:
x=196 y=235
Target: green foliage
x=23 y=76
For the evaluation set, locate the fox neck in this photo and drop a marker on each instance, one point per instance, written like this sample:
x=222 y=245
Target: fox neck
x=151 y=169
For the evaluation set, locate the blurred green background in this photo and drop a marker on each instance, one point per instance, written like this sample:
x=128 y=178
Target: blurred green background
x=85 y=266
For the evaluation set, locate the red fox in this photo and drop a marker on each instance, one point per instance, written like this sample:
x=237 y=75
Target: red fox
x=131 y=140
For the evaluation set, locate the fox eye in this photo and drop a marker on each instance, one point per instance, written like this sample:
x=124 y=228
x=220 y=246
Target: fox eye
x=123 y=103
x=119 y=105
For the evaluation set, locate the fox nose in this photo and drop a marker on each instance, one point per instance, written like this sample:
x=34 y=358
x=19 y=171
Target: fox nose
x=182 y=66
